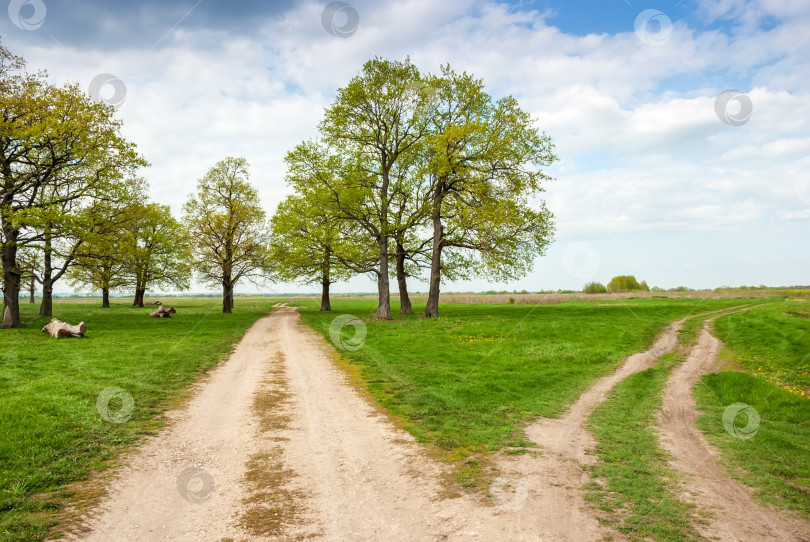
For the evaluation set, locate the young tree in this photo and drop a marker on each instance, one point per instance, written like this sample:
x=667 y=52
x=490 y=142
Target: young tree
x=102 y=261
x=372 y=125
x=483 y=162
x=227 y=229
x=54 y=139
x=29 y=262
x=305 y=241
x=156 y=249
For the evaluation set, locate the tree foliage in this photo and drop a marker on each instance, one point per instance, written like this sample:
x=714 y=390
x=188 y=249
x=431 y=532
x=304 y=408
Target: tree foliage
x=594 y=288
x=624 y=283
x=59 y=151
x=432 y=172
x=155 y=250
x=227 y=229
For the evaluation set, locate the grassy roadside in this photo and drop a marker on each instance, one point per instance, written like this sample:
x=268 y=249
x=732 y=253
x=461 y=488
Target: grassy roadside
x=51 y=431
x=468 y=381
x=770 y=348
x=633 y=486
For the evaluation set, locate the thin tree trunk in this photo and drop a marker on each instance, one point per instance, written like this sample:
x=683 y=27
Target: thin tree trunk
x=46 y=306
x=105 y=298
x=326 y=281
x=11 y=279
x=404 y=299
x=227 y=296
x=32 y=289
x=384 y=294
x=432 y=307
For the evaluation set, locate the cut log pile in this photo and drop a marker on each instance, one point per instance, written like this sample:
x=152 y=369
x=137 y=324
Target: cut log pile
x=154 y=303
x=163 y=312
x=58 y=328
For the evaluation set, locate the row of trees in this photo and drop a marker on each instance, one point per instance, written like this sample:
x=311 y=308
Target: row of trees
x=410 y=172
x=72 y=205
x=65 y=172
x=414 y=171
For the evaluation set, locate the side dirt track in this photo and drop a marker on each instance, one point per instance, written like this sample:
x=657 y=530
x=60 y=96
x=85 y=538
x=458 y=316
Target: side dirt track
x=736 y=515
x=341 y=470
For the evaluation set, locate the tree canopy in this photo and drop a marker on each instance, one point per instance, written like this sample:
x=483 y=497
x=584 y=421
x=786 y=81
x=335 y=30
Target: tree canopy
x=59 y=151
x=431 y=172
x=227 y=228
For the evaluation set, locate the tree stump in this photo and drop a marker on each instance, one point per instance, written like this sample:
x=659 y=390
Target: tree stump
x=58 y=328
x=163 y=312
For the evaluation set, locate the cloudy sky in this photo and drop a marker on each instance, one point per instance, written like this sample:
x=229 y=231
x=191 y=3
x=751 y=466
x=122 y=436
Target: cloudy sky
x=662 y=173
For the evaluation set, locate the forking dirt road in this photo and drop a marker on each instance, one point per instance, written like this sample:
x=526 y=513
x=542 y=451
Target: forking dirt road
x=330 y=460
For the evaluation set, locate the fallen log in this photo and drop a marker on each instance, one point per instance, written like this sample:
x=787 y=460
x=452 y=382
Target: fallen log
x=58 y=328
x=163 y=312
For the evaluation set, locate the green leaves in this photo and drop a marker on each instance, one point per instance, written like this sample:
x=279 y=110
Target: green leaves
x=61 y=154
x=227 y=226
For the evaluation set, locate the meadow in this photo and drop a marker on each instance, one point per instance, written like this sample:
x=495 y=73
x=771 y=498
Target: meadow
x=52 y=434
x=465 y=384
x=767 y=355
x=468 y=381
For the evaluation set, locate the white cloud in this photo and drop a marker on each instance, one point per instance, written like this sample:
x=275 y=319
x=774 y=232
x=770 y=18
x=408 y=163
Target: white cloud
x=641 y=146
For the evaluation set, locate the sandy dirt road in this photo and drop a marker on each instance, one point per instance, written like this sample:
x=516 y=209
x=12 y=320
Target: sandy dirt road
x=736 y=515
x=352 y=473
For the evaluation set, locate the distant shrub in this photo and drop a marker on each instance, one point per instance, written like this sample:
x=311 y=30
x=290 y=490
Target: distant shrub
x=511 y=300
x=643 y=286
x=594 y=288
x=623 y=283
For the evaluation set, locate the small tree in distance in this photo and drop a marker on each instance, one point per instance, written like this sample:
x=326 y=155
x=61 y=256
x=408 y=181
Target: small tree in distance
x=227 y=229
x=624 y=283
x=594 y=288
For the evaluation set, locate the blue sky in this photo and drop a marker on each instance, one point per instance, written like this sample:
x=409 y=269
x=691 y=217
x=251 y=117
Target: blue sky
x=651 y=180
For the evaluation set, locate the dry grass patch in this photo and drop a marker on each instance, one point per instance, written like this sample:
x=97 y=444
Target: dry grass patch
x=273 y=503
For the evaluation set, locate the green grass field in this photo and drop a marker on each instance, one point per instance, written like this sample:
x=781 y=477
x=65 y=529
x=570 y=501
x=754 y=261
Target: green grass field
x=770 y=348
x=637 y=495
x=468 y=381
x=51 y=432
x=465 y=383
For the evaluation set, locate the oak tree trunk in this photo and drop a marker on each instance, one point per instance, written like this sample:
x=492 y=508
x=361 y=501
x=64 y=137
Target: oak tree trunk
x=11 y=279
x=326 y=281
x=227 y=297
x=105 y=298
x=432 y=307
x=46 y=306
x=325 y=304
x=32 y=290
x=139 y=295
x=384 y=294
x=404 y=299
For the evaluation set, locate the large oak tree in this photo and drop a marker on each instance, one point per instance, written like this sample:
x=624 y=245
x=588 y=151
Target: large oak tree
x=58 y=149
x=483 y=164
x=373 y=125
x=227 y=229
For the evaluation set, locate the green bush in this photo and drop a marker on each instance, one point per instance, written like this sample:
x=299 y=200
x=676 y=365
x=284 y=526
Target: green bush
x=594 y=288
x=643 y=286
x=623 y=283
